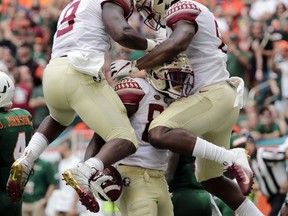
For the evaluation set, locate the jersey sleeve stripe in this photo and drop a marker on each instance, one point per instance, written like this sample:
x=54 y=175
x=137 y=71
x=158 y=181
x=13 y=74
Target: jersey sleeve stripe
x=188 y=17
x=131 y=98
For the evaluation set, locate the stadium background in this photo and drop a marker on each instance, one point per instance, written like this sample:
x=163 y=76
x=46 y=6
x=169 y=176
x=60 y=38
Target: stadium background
x=32 y=23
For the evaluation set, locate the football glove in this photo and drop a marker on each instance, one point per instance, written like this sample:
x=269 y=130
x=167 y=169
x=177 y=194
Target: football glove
x=120 y=68
x=96 y=185
x=152 y=43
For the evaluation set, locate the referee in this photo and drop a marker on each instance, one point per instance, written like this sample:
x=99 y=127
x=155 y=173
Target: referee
x=269 y=167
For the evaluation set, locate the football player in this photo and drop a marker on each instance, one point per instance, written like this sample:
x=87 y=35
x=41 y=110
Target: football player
x=73 y=82
x=273 y=184
x=207 y=105
x=145 y=190
x=188 y=195
x=15 y=132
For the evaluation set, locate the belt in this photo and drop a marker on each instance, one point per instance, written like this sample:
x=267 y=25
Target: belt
x=141 y=170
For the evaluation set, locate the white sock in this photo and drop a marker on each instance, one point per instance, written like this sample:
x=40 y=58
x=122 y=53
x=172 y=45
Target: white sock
x=248 y=208
x=207 y=150
x=37 y=145
x=95 y=163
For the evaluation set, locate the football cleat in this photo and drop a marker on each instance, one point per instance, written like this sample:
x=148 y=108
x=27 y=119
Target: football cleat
x=78 y=179
x=242 y=171
x=19 y=174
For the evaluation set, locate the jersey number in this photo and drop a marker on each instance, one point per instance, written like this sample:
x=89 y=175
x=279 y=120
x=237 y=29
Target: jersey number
x=20 y=145
x=69 y=19
x=151 y=115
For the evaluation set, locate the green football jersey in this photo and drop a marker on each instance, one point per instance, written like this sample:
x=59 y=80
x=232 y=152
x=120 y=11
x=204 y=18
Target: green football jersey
x=189 y=197
x=15 y=132
x=184 y=176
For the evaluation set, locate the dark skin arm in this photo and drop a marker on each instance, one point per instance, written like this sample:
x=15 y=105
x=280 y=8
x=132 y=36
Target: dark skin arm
x=94 y=146
x=178 y=42
x=96 y=143
x=119 y=29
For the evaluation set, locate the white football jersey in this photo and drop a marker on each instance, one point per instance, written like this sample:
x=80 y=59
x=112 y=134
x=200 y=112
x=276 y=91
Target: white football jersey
x=138 y=92
x=81 y=36
x=206 y=52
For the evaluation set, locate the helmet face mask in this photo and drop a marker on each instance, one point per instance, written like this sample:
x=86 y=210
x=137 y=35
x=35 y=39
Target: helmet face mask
x=153 y=12
x=174 y=79
x=7 y=90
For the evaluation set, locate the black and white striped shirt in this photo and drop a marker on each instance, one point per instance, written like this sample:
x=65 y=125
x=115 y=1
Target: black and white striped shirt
x=269 y=166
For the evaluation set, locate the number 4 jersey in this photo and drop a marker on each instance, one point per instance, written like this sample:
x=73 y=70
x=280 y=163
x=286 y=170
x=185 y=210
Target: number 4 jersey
x=15 y=132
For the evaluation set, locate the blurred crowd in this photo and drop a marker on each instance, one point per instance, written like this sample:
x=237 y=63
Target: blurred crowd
x=256 y=35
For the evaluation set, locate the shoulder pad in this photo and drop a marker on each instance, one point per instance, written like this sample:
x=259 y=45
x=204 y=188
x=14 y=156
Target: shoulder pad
x=182 y=10
x=129 y=91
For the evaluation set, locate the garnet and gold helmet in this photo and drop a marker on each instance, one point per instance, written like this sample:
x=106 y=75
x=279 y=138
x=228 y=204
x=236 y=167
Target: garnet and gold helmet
x=175 y=78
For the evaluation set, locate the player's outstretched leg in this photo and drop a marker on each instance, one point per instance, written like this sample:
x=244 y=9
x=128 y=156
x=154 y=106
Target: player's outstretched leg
x=78 y=179
x=19 y=174
x=242 y=171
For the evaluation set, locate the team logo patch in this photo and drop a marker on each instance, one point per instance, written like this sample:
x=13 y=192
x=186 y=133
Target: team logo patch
x=126 y=181
x=157 y=97
x=97 y=79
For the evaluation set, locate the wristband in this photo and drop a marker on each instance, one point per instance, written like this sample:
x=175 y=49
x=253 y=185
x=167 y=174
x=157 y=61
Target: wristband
x=150 y=44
